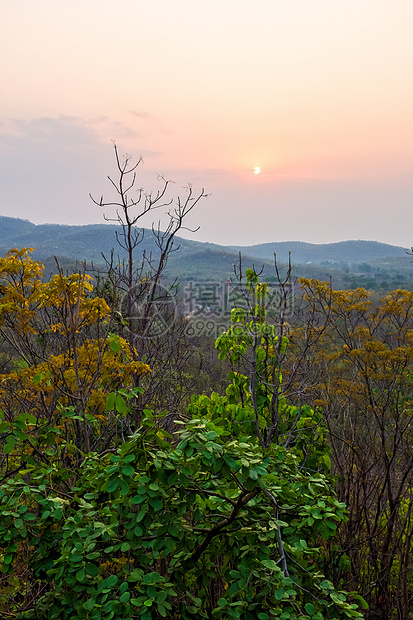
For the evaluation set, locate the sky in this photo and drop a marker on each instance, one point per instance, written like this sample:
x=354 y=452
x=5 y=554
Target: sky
x=318 y=94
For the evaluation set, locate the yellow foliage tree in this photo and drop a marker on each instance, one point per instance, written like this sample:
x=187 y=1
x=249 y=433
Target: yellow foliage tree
x=361 y=373
x=65 y=360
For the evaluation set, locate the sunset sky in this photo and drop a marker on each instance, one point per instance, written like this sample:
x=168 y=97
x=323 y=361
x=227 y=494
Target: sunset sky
x=318 y=94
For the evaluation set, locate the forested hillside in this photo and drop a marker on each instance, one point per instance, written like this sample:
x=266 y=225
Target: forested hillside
x=376 y=266
x=341 y=252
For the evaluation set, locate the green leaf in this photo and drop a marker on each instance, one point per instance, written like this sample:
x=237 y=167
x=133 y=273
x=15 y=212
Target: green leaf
x=231 y=462
x=111 y=581
x=173 y=530
x=114 y=343
x=327 y=461
x=123 y=587
x=124 y=487
x=120 y=404
x=235 y=574
x=360 y=600
x=234 y=588
x=10 y=443
x=153 y=577
x=91 y=569
x=110 y=401
x=310 y=609
x=138 y=499
x=136 y=575
x=80 y=575
x=156 y=504
x=128 y=470
x=89 y=605
x=112 y=484
x=141 y=515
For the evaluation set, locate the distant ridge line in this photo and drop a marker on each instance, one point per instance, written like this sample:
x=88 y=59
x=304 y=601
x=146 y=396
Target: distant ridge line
x=87 y=242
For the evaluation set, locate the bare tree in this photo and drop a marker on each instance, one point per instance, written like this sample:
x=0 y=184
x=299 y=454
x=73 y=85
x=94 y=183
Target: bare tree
x=146 y=306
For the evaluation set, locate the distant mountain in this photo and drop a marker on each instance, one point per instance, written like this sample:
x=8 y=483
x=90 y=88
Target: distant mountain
x=87 y=243
x=350 y=263
x=341 y=252
x=80 y=242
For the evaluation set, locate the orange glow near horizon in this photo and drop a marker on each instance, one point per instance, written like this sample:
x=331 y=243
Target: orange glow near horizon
x=320 y=94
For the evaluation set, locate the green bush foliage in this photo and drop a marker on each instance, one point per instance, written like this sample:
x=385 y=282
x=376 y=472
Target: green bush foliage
x=216 y=520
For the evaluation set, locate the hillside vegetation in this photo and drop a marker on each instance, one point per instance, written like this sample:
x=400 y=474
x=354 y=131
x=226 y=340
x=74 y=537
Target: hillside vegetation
x=376 y=266
x=246 y=457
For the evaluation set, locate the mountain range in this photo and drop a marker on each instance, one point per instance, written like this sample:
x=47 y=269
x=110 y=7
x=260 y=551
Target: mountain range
x=199 y=259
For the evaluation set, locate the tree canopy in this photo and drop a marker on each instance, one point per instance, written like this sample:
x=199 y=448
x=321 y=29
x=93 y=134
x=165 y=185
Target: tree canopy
x=226 y=513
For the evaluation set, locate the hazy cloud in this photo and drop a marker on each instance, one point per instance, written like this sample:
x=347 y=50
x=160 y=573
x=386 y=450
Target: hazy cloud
x=140 y=114
x=48 y=166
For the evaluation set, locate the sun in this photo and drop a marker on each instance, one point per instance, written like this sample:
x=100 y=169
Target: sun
x=257 y=170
